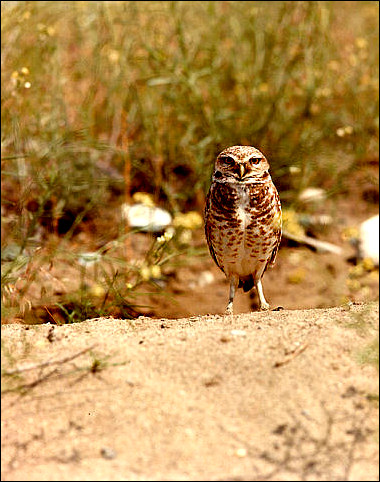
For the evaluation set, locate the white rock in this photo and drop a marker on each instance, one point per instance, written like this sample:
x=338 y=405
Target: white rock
x=369 y=239
x=205 y=278
x=146 y=218
x=312 y=194
x=238 y=333
x=242 y=452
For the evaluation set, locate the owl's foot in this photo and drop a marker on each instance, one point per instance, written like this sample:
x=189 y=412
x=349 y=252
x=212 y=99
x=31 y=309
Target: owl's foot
x=234 y=281
x=229 y=309
x=264 y=306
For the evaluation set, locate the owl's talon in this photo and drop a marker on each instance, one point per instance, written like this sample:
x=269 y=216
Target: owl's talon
x=229 y=309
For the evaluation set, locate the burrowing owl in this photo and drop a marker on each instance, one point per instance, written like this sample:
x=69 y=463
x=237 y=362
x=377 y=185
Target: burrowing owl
x=243 y=219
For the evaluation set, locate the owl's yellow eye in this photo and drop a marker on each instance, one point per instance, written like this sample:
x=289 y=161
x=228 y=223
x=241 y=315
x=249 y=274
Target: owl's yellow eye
x=227 y=159
x=255 y=160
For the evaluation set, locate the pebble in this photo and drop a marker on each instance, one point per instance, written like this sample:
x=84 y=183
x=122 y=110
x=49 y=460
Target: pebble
x=238 y=333
x=242 y=452
x=107 y=453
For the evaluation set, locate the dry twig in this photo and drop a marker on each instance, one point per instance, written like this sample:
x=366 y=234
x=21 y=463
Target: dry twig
x=292 y=355
x=16 y=371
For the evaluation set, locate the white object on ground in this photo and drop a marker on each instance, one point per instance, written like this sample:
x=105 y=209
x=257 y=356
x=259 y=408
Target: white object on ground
x=312 y=194
x=146 y=218
x=369 y=239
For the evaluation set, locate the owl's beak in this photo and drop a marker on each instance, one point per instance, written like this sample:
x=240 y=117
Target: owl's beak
x=242 y=171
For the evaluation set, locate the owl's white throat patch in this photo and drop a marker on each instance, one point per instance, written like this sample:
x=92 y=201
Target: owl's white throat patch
x=242 y=211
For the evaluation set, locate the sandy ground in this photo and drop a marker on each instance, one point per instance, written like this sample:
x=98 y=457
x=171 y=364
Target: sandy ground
x=281 y=395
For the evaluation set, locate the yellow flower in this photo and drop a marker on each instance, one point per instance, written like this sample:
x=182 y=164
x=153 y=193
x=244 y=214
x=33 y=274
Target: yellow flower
x=353 y=284
x=145 y=273
x=333 y=65
x=14 y=75
x=113 y=56
x=350 y=232
x=25 y=71
x=356 y=271
x=190 y=220
x=343 y=131
x=143 y=198
x=297 y=276
x=361 y=43
x=97 y=290
x=263 y=87
x=149 y=272
x=290 y=222
x=168 y=235
x=368 y=264
x=155 y=271
x=165 y=238
x=185 y=237
x=348 y=130
x=50 y=31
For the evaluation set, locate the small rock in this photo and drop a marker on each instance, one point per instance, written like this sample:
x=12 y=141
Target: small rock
x=107 y=453
x=212 y=381
x=280 y=429
x=238 y=333
x=350 y=392
x=312 y=194
x=205 y=278
x=242 y=452
x=146 y=218
x=51 y=335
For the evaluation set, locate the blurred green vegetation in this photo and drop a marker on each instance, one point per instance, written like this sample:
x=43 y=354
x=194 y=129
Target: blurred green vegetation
x=104 y=99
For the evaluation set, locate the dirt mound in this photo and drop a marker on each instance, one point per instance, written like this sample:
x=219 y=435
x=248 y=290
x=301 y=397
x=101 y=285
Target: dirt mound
x=287 y=395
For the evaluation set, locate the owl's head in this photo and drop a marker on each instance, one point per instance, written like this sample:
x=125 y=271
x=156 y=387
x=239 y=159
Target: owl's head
x=241 y=164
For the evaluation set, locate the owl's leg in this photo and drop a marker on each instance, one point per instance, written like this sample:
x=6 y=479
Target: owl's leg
x=264 y=305
x=234 y=281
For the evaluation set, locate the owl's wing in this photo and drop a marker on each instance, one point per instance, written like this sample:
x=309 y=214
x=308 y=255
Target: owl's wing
x=208 y=228
x=272 y=260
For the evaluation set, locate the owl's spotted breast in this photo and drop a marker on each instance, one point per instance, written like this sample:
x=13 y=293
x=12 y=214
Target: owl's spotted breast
x=242 y=225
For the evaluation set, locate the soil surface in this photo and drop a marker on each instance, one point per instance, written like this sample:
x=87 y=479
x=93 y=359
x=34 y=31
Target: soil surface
x=278 y=395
